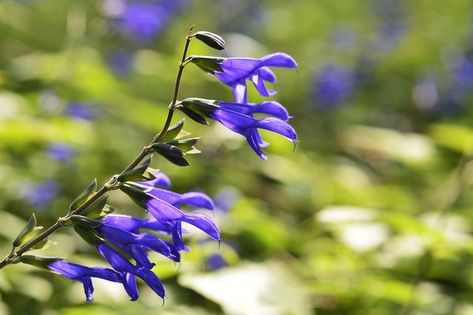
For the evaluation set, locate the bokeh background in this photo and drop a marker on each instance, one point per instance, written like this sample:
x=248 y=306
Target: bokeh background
x=370 y=214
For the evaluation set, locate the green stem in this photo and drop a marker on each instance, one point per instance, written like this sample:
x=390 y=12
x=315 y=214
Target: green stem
x=14 y=254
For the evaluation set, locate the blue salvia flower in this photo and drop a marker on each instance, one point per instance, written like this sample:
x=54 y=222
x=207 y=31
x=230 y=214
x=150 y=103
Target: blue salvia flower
x=129 y=272
x=238 y=117
x=235 y=72
x=135 y=244
x=84 y=275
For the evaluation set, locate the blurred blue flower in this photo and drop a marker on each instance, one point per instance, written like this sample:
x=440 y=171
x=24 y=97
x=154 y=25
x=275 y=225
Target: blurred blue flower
x=237 y=70
x=392 y=23
x=333 y=86
x=142 y=21
x=120 y=61
x=216 y=262
x=84 y=275
x=463 y=72
x=79 y=110
x=59 y=151
x=41 y=194
x=225 y=198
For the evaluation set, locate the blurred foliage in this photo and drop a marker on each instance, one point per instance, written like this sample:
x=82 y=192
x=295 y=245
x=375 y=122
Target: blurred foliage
x=370 y=214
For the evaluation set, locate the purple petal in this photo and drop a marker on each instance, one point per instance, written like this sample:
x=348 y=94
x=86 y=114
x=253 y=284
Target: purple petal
x=162 y=210
x=278 y=126
x=260 y=86
x=154 y=243
x=88 y=288
x=166 y=195
x=177 y=238
x=117 y=261
x=278 y=60
x=203 y=223
x=272 y=108
x=253 y=140
x=267 y=75
x=124 y=222
x=196 y=199
x=234 y=121
x=139 y=255
x=240 y=92
x=152 y=281
x=130 y=286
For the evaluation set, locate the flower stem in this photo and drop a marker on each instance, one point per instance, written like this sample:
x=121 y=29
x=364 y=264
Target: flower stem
x=15 y=254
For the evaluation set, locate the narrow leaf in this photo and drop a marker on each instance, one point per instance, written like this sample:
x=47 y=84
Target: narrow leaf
x=25 y=232
x=174 y=130
x=95 y=209
x=138 y=173
x=88 y=191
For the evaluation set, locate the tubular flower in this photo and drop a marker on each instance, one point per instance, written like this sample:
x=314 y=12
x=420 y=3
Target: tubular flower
x=235 y=72
x=239 y=117
x=129 y=271
x=84 y=275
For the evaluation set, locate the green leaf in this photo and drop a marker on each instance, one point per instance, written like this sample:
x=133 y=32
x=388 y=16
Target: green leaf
x=39 y=261
x=207 y=63
x=171 y=152
x=26 y=231
x=88 y=235
x=138 y=173
x=174 y=130
x=85 y=221
x=43 y=244
x=88 y=191
x=95 y=209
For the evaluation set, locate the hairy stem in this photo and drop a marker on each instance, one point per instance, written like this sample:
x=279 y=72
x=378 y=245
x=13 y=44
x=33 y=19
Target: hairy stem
x=15 y=254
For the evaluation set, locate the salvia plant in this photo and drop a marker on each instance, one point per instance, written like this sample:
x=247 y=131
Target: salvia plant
x=123 y=240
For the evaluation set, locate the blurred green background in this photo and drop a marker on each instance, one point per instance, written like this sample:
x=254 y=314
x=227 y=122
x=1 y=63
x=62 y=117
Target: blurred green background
x=372 y=212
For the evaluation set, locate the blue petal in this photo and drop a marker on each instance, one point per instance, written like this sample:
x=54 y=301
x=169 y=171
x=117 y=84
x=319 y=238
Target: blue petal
x=196 y=199
x=130 y=286
x=139 y=255
x=253 y=140
x=177 y=238
x=278 y=126
x=278 y=60
x=116 y=236
x=203 y=223
x=117 y=261
x=154 y=243
x=124 y=222
x=152 y=281
x=260 y=86
x=88 y=288
x=272 y=108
